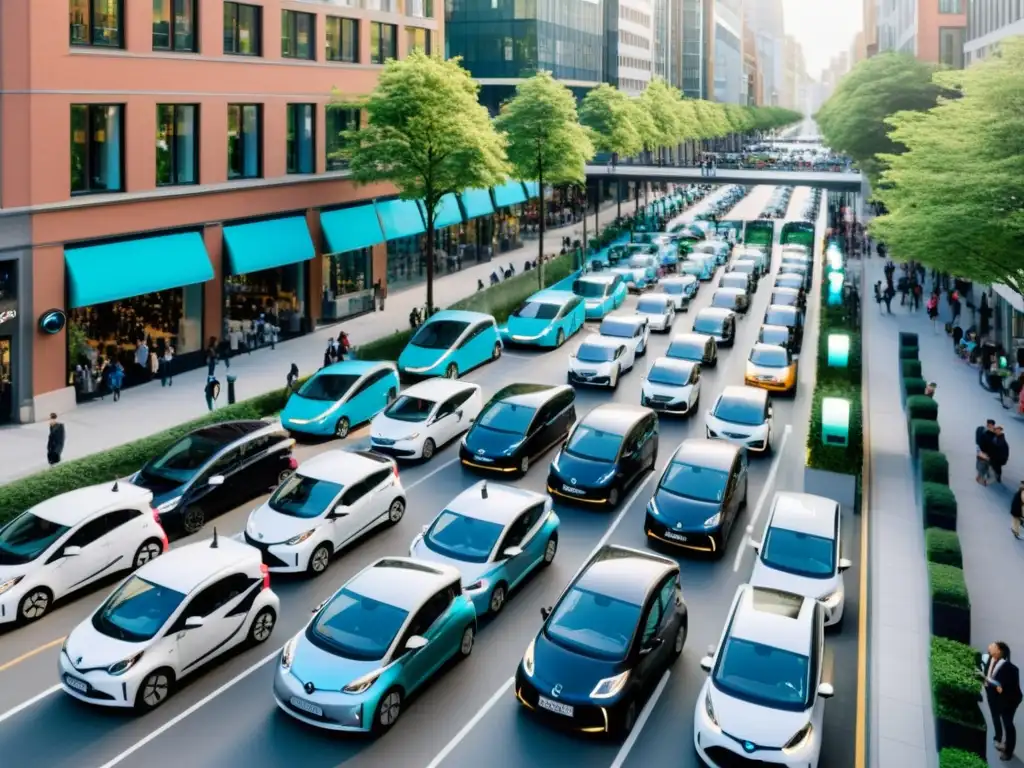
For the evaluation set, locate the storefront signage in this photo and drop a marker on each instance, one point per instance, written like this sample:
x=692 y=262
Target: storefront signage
x=8 y=314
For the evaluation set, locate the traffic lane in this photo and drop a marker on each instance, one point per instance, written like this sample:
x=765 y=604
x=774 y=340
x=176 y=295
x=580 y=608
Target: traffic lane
x=751 y=206
x=799 y=199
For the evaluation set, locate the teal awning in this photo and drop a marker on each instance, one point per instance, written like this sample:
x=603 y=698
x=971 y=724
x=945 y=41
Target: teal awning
x=477 y=203
x=448 y=212
x=532 y=189
x=98 y=274
x=509 y=193
x=268 y=244
x=351 y=229
x=400 y=218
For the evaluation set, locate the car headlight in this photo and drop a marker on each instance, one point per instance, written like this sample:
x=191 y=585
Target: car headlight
x=652 y=508
x=799 y=740
x=709 y=709
x=168 y=505
x=528 y=659
x=476 y=586
x=288 y=653
x=300 y=538
x=413 y=436
x=363 y=684
x=607 y=477
x=831 y=600
x=10 y=583
x=714 y=521
x=123 y=666
x=610 y=686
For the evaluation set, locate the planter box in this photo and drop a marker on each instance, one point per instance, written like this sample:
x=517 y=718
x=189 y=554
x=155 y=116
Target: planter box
x=908 y=339
x=953 y=735
x=952 y=622
x=832 y=485
x=935 y=519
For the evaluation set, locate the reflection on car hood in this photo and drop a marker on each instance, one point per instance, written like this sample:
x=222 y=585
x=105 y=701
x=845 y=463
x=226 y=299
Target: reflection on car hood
x=271 y=527
x=576 y=674
x=299 y=407
x=519 y=326
x=578 y=471
x=470 y=572
x=420 y=357
x=88 y=649
x=395 y=429
x=488 y=442
x=688 y=513
x=762 y=726
x=760 y=370
x=329 y=673
x=763 y=576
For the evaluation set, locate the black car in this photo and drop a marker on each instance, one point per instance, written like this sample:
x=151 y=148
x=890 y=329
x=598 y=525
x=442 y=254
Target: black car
x=520 y=423
x=777 y=336
x=699 y=497
x=214 y=469
x=607 y=452
x=788 y=297
x=614 y=631
x=735 y=299
x=790 y=317
x=695 y=347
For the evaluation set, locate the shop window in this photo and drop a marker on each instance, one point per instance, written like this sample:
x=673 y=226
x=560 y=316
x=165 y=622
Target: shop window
x=243 y=29
x=338 y=121
x=301 y=148
x=342 y=39
x=96 y=22
x=277 y=296
x=174 y=25
x=177 y=148
x=417 y=38
x=421 y=9
x=297 y=35
x=97 y=148
x=383 y=42
x=245 y=148
x=348 y=284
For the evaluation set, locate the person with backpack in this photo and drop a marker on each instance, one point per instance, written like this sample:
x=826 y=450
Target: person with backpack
x=212 y=391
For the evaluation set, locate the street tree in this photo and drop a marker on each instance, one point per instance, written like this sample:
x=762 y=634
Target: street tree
x=427 y=134
x=609 y=115
x=545 y=140
x=661 y=100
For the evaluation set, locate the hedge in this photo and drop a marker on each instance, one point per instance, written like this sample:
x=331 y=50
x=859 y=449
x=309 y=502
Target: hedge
x=943 y=547
x=948 y=585
x=924 y=434
x=939 y=505
x=922 y=407
x=958 y=758
x=954 y=685
x=908 y=339
x=908 y=353
x=934 y=467
x=914 y=385
x=910 y=369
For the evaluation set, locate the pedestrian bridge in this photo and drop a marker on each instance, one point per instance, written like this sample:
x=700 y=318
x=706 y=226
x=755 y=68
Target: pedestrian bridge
x=836 y=181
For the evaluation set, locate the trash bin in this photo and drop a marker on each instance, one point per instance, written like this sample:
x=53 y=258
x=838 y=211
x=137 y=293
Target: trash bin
x=231 y=389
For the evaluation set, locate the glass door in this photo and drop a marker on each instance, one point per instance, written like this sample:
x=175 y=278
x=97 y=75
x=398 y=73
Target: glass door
x=6 y=384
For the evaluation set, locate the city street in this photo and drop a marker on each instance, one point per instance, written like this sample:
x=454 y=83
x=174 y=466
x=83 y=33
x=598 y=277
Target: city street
x=469 y=716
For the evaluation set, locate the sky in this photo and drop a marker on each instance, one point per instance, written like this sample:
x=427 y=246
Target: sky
x=823 y=27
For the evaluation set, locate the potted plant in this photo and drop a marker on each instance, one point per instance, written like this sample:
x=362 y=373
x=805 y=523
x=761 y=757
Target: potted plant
x=951 y=605
x=955 y=688
x=938 y=506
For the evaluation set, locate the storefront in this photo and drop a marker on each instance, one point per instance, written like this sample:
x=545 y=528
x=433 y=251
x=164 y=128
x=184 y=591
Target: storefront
x=402 y=222
x=16 y=321
x=509 y=202
x=8 y=329
x=1007 y=319
x=449 y=234
x=479 y=235
x=349 y=237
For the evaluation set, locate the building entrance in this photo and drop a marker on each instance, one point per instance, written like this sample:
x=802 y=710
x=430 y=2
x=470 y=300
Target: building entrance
x=6 y=381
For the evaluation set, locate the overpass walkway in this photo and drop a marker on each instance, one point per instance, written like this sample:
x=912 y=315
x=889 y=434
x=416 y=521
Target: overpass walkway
x=836 y=181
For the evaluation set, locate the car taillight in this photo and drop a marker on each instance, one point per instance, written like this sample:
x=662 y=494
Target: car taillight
x=394 y=468
x=266 y=575
x=156 y=516
x=163 y=534
x=292 y=463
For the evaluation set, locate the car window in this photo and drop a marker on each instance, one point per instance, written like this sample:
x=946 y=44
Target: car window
x=183 y=458
x=379 y=477
x=411 y=409
x=217 y=595
x=669 y=375
x=690 y=481
x=651 y=622
x=595 y=353
x=136 y=611
x=537 y=310
x=328 y=387
x=518 y=530
x=460 y=399
x=740 y=410
x=304 y=497
x=355 y=493
x=563 y=401
x=587 y=442
x=800 y=554
x=770 y=357
x=667 y=595
x=255 y=446
x=428 y=615
x=763 y=675
x=27 y=537
x=89 y=532
x=439 y=334
x=475 y=333
x=116 y=519
x=511 y=418
x=461 y=537
x=594 y=624
x=225 y=463
x=447 y=408
x=356 y=627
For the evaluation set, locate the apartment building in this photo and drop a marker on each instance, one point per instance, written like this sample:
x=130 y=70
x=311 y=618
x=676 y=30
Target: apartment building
x=931 y=30
x=988 y=22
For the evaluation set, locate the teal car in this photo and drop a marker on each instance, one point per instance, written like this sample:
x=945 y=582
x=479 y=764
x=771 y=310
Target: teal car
x=602 y=293
x=650 y=263
x=635 y=280
x=451 y=343
x=341 y=396
x=699 y=265
x=373 y=644
x=668 y=251
x=546 y=319
x=717 y=249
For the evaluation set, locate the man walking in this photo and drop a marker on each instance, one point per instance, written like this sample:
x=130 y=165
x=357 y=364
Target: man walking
x=999 y=452
x=55 y=441
x=983 y=441
x=1002 y=690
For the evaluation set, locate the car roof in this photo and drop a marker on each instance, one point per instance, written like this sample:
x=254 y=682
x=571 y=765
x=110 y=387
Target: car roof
x=438 y=388
x=690 y=337
x=501 y=504
x=740 y=392
x=773 y=617
x=623 y=573
x=597 y=340
x=598 y=278
x=352 y=367
x=772 y=327
x=713 y=454
x=789 y=276
x=762 y=347
x=460 y=315
x=805 y=513
x=782 y=308
x=679 y=279
x=659 y=296
x=185 y=568
x=674 y=363
x=730 y=291
x=549 y=296
x=616 y=418
x=342 y=467
x=786 y=289
x=227 y=432
x=719 y=312
x=402 y=582
x=629 y=319
x=71 y=508
x=529 y=395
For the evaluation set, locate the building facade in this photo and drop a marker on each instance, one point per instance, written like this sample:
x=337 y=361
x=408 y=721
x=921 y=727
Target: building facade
x=869 y=27
x=629 y=47
x=730 y=86
x=754 y=81
x=988 y=22
x=793 y=93
x=931 y=30
x=693 y=50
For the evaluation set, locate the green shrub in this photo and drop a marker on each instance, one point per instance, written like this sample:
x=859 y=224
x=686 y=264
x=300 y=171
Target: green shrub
x=922 y=407
x=924 y=434
x=943 y=547
x=908 y=353
x=908 y=339
x=958 y=758
x=938 y=500
x=934 y=467
x=502 y=299
x=831 y=458
x=913 y=385
x=387 y=348
x=948 y=585
x=954 y=684
x=910 y=369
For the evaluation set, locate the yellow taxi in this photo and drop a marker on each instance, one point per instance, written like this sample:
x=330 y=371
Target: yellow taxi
x=771 y=367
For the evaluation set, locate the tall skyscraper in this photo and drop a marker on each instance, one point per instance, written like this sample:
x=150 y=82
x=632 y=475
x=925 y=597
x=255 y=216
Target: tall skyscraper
x=629 y=43
x=694 y=49
x=931 y=30
x=988 y=22
x=729 y=83
x=767 y=20
x=661 y=59
x=869 y=27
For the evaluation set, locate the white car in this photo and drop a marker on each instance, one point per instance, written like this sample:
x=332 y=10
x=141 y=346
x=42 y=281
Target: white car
x=742 y=415
x=671 y=385
x=634 y=330
x=425 y=417
x=71 y=541
x=600 y=361
x=659 y=309
x=682 y=289
x=764 y=699
x=166 y=621
x=719 y=249
x=329 y=502
x=801 y=551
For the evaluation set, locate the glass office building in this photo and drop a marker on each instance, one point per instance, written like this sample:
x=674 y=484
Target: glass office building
x=692 y=75
x=729 y=80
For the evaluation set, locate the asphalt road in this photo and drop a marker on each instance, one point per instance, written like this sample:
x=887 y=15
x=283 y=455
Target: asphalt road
x=468 y=716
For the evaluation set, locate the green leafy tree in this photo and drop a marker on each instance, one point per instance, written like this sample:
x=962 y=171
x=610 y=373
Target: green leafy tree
x=609 y=115
x=662 y=100
x=546 y=142
x=427 y=134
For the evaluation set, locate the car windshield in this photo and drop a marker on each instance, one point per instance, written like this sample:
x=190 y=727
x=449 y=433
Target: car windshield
x=743 y=266
x=639 y=261
x=27 y=537
x=414 y=409
x=734 y=280
x=708 y=324
x=507 y=417
x=595 y=353
x=785 y=299
x=763 y=675
x=651 y=306
x=686 y=350
x=183 y=459
x=740 y=410
x=775 y=336
x=769 y=357
x=537 y=310
x=594 y=444
x=669 y=375
x=462 y=538
x=328 y=386
x=617 y=329
x=693 y=482
x=725 y=299
x=594 y=625
x=301 y=496
x=356 y=627
x=789 y=281
x=673 y=289
x=779 y=316
x=590 y=290
x=137 y=611
x=439 y=334
x=799 y=553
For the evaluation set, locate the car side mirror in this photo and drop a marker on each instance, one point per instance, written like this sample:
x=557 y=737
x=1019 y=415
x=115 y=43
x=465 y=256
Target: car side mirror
x=216 y=480
x=194 y=622
x=458 y=414
x=756 y=546
x=545 y=613
x=707 y=663
x=844 y=565
x=338 y=511
x=72 y=551
x=826 y=691
x=512 y=552
x=416 y=642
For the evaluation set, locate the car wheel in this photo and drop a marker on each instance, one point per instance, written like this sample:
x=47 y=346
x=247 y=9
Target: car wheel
x=154 y=690
x=642 y=351
x=614 y=384
x=496 y=352
x=560 y=340
x=680 y=641
x=613 y=497
x=35 y=604
x=148 y=550
x=628 y=719
x=452 y=371
x=319 y=560
x=262 y=626
x=194 y=520
x=524 y=465
x=497 y=601
x=396 y=512
x=467 y=642
x=550 y=550
x=389 y=709
x=342 y=427
x=428 y=449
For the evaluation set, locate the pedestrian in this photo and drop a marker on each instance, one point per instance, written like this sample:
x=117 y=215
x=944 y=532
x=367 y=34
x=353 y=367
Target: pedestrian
x=382 y=291
x=116 y=380
x=954 y=305
x=929 y=391
x=224 y=351
x=958 y=335
x=142 y=359
x=903 y=286
x=293 y=378
x=376 y=296
x=888 y=297
x=1002 y=689
x=211 y=356
x=331 y=353
x=983 y=442
x=166 y=367
x=212 y=391
x=1017 y=511
x=933 y=311
x=55 y=441
x=344 y=346
x=915 y=295
x=999 y=453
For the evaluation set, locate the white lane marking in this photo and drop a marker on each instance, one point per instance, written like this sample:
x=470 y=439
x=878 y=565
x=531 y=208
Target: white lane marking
x=431 y=473
x=514 y=356
x=638 y=727
x=763 y=497
x=26 y=704
x=179 y=717
x=491 y=702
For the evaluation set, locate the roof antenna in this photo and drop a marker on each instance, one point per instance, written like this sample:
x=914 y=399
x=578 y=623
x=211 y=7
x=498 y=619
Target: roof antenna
x=214 y=544
x=483 y=490
x=115 y=489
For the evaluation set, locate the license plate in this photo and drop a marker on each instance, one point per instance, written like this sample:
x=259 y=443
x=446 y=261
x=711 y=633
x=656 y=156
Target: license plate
x=570 y=489
x=306 y=706
x=483 y=460
x=555 y=706
x=79 y=685
x=675 y=536
x=587 y=373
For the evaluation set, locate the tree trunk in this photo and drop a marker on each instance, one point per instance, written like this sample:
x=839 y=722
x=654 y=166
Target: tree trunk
x=618 y=198
x=597 y=209
x=540 y=242
x=430 y=259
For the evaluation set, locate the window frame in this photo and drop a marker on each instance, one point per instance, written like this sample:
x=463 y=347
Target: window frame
x=412 y=32
x=241 y=133
x=292 y=145
x=172 y=47
x=258 y=52
x=89 y=106
x=292 y=34
x=381 y=26
x=91 y=43
x=173 y=151
x=329 y=145
x=341 y=21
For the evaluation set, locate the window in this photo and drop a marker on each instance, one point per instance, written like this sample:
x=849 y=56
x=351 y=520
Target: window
x=301 y=138
x=297 y=35
x=951 y=47
x=245 y=150
x=383 y=42
x=174 y=25
x=338 y=121
x=97 y=153
x=951 y=6
x=96 y=22
x=242 y=29
x=417 y=38
x=342 y=39
x=421 y=9
x=177 y=149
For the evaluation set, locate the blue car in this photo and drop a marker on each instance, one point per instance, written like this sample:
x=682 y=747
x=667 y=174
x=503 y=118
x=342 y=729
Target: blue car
x=341 y=396
x=495 y=535
x=719 y=249
x=451 y=343
x=668 y=251
x=635 y=280
x=601 y=293
x=546 y=319
x=700 y=265
x=374 y=643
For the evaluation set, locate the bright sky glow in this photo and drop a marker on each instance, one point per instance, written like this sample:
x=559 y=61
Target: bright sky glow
x=823 y=27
